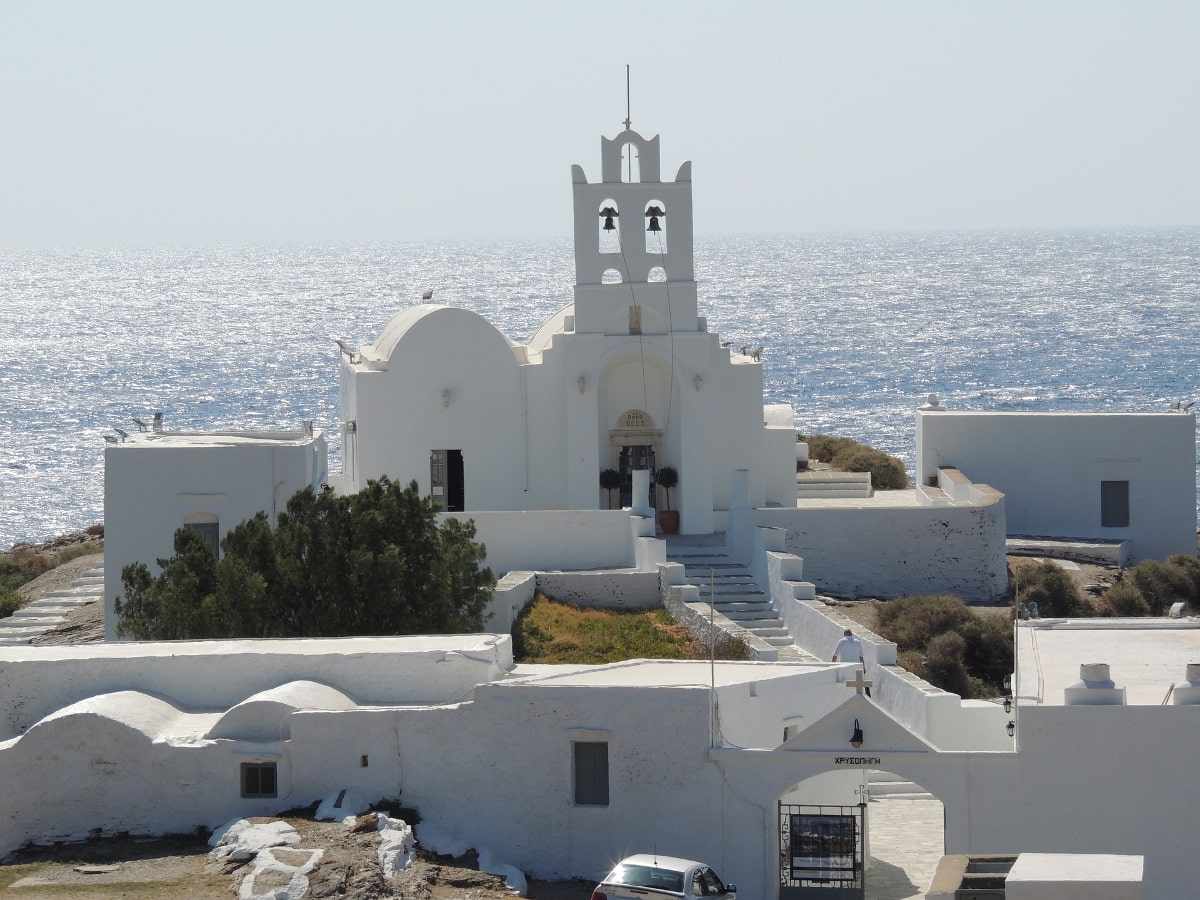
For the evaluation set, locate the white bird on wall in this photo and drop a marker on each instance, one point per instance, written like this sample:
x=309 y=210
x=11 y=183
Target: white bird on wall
x=140 y=424
x=428 y=295
x=756 y=355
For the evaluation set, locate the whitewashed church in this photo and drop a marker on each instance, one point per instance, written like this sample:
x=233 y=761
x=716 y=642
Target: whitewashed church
x=627 y=377
x=560 y=770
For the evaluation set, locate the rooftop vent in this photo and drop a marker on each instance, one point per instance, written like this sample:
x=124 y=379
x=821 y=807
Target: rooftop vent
x=1188 y=693
x=1094 y=688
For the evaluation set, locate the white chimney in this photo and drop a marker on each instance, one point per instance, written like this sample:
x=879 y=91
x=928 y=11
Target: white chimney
x=1094 y=688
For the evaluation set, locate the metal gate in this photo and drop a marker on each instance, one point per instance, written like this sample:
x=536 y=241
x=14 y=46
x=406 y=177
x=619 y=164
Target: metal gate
x=821 y=852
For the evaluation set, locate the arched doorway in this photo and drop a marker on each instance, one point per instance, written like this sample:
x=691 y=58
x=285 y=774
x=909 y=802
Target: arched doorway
x=858 y=834
x=634 y=444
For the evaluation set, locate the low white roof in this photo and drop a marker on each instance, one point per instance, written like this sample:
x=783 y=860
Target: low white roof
x=352 y=646
x=149 y=439
x=1145 y=656
x=661 y=673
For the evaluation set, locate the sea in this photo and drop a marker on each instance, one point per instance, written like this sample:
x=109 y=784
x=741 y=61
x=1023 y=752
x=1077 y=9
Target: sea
x=856 y=331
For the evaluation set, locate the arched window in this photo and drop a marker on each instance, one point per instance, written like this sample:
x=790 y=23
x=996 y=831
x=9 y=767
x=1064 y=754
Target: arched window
x=611 y=276
x=656 y=227
x=630 y=164
x=658 y=273
x=609 y=225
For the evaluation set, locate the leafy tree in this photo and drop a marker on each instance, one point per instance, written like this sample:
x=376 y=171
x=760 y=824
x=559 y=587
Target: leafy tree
x=610 y=480
x=375 y=562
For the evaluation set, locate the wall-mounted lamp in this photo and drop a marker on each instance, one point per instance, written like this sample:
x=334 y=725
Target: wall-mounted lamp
x=1011 y=727
x=1008 y=704
x=698 y=382
x=856 y=739
x=447 y=396
x=581 y=383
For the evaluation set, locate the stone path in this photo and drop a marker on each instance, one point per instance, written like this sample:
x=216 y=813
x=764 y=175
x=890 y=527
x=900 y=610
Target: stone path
x=51 y=609
x=907 y=838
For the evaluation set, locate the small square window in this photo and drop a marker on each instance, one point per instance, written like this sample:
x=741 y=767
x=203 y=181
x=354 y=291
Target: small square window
x=211 y=533
x=591 y=773
x=1114 y=504
x=259 y=780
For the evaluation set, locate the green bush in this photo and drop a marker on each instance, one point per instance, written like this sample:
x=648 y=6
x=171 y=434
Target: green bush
x=10 y=602
x=944 y=663
x=21 y=566
x=824 y=447
x=939 y=638
x=848 y=455
x=1125 y=600
x=1052 y=589
x=1150 y=588
x=912 y=622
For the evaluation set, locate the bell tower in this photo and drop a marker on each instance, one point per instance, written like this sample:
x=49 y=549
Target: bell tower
x=633 y=242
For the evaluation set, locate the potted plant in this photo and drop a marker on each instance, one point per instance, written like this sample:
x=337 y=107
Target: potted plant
x=668 y=519
x=610 y=480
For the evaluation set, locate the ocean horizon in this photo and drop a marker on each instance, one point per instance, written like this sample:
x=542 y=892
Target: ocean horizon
x=857 y=330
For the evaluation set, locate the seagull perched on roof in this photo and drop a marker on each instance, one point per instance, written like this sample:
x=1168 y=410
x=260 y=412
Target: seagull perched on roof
x=140 y=424
x=109 y=439
x=725 y=344
x=745 y=348
x=428 y=295
x=756 y=354
x=124 y=434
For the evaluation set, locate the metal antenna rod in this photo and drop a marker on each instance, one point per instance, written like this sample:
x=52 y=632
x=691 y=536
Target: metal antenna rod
x=628 y=120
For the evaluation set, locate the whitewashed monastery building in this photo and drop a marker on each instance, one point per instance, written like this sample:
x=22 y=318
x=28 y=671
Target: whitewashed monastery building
x=560 y=770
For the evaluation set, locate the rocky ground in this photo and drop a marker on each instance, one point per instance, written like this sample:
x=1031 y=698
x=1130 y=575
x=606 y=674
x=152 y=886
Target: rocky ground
x=181 y=867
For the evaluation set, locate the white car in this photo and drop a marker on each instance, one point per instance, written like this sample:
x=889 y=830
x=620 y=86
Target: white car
x=651 y=875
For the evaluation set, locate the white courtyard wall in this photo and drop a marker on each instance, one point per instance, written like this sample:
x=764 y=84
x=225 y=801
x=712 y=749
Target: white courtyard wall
x=1108 y=779
x=897 y=551
x=36 y=681
x=151 y=487
x=1049 y=467
x=518 y=801
x=553 y=539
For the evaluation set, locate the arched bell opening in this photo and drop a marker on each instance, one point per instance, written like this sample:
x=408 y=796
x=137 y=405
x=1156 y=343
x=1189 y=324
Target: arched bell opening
x=656 y=227
x=609 y=227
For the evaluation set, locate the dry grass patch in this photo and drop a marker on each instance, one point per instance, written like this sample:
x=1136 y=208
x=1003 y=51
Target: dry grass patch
x=551 y=632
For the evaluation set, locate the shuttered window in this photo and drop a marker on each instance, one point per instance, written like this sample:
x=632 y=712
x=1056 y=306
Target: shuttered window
x=591 y=773
x=1114 y=504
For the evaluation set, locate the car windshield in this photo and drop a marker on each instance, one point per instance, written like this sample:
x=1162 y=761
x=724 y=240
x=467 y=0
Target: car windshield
x=648 y=877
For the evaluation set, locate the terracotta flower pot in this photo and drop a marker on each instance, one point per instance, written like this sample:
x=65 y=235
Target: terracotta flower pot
x=668 y=521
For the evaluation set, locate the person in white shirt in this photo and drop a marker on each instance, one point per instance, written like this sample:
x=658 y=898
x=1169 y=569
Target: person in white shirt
x=849 y=649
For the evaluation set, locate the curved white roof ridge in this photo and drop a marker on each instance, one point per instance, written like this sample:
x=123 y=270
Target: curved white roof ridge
x=381 y=349
x=555 y=324
x=152 y=716
x=263 y=716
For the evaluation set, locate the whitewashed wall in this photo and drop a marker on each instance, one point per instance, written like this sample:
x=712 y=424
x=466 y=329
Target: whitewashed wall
x=1049 y=467
x=36 y=681
x=155 y=481
x=892 y=551
x=553 y=539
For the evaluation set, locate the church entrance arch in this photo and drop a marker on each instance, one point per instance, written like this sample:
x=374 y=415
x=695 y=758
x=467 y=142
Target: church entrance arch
x=634 y=444
x=858 y=834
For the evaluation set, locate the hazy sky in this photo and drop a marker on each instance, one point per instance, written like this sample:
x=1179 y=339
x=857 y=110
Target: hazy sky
x=208 y=122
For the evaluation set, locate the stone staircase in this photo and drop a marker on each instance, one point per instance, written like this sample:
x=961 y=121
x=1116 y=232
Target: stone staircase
x=48 y=612
x=886 y=786
x=733 y=593
x=826 y=484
